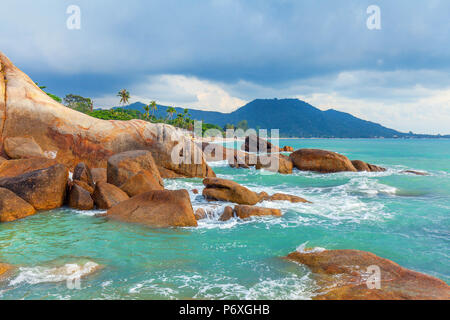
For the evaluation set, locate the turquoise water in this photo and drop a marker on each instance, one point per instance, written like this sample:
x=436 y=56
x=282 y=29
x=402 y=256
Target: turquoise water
x=398 y=216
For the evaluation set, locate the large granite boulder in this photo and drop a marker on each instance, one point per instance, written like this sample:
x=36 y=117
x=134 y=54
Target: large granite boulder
x=44 y=189
x=107 y=195
x=351 y=275
x=125 y=165
x=13 y=207
x=74 y=137
x=12 y=168
x=227 y=190
x=275 y=163
x=157 y=209
x=245 y=211
x=256 y=144
x=80 y=198
x=99 y=174
x=364 y=166
x=22 y=148
x=320 y=161
x=140 y=183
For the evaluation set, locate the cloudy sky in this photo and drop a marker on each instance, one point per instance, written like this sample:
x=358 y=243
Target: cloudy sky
x=220 y=54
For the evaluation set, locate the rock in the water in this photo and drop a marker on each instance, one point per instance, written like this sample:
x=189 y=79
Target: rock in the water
x=257 y=144
x=108 y=195
x=140 y=183
x=321 y=161
x=14 y=168
x=364 y=166
x=158 y=209
x=227 y=190
x=275 y=163
x=99 y=174
x=287 y=149
x=263 y=196
x=200 y=214
x=5 y=269
x=227 y=214
x=74 y=137
x=417 y=173
x=13 y=207
x=125 y=165
x=44 y=189
x=80 y=198
x=345 y=275
x=83 y=173
x=245 y=211
x=195 y=191
x=287 y=197
x=22 y=148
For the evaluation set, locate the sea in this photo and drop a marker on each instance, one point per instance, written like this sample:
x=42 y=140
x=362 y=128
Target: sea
x=70 y=254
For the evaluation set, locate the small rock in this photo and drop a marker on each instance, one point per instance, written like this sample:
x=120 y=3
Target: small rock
x=417 y=173
x=245 y=211
x=107 y=195
x=80 y=198
x=195 y=191
x=287 y=149
x=364 y=166
x=227 y=190
x=13 y=207
x=83 y=173
x=227 y=214
x=200 y=214
x=287 y=197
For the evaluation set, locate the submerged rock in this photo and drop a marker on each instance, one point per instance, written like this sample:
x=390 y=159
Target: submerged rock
x=108 y=195
x=227 y=190
x=287 y=197
x=417 y=173
x=140 y=183
x=125 y=165
x=72 y=137
x=5 y=269
x=320 y=161
x=364 y=166
x=22 y=148
x=245 y=211
x=351 y=275
x=158 y=209
x=13 y=207
x=44 y=189
x=80 y=198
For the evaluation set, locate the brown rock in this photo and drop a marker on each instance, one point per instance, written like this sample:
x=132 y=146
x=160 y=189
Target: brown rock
x=22 y=148
x=227 y=214
x=200 y=214
x=13 y=207
x=107 y=195
x=320 y=161
x=12 y=168
x=140 y=183
x=195 y=191
x=343 y=275
x=5 y=269
x=257 y=144
x=76 y=137
x=2 y=160
x=364 y=166
x=80 y=198
x=263 y=196
x=276 y=163
x=125 y=165
x=287 y=197
x=83 y=173
x=287 y=149
x=158 y=209
x=227 y=190
x=417 y=173
x=99 y=174
x=244 y=211
x=83 y=185
x=44 y=189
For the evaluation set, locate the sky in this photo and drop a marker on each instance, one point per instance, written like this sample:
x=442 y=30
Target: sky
x=220 y=54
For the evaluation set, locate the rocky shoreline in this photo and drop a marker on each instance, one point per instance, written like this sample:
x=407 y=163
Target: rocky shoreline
x=53 y=156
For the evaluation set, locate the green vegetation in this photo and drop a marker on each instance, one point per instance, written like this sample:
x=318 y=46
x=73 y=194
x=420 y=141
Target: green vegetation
x=54 y=97
x=124 y=96
x=79 y=103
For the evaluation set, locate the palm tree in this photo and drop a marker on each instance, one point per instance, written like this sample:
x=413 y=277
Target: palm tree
x=170 y=112
x=124 y=96
x=154 y=107
x=147 y=111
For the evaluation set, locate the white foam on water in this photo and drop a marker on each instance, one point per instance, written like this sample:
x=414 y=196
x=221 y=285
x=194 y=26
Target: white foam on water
x=154 y=288
x=90 y=213
x=302 y=248
x=39 y=274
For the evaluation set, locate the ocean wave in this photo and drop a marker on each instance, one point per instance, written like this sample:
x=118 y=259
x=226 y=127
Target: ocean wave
x=40 y=274
x=302 y=248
